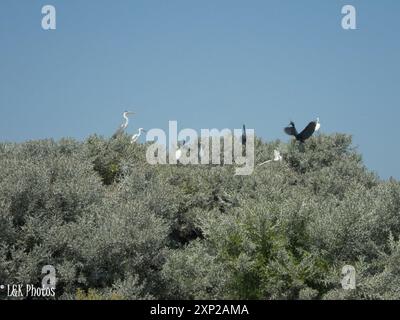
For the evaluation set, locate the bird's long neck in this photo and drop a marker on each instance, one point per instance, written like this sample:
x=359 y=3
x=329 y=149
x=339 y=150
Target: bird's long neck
x=126 y=120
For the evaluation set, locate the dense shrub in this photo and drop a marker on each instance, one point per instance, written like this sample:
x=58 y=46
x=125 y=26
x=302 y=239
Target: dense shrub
x=115 y=227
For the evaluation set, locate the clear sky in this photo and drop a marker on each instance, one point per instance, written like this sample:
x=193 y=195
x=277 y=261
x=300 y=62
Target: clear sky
x=206 y=64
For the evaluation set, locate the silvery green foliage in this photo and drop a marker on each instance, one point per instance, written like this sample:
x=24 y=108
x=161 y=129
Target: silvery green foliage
x=296 y=225
x=116 y=227
x=56 y=210
x=194 y=273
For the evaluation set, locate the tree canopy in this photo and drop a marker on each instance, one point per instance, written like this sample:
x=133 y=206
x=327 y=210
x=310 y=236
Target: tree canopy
x=116 y=227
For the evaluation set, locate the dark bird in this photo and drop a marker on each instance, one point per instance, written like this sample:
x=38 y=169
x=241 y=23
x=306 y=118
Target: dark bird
x=244 y=137
x=308 y=131
x=244 y=140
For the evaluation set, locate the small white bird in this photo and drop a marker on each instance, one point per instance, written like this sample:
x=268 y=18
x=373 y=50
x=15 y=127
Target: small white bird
x=136 y=136
x=317 y=125
x=277 y=157
x=178 y=152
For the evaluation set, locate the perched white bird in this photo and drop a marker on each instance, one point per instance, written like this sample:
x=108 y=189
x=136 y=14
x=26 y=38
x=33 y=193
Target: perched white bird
x=317 y=125
x=136 y=136
x=277 y=157
x=178 y=154
x=179 y=151
x=124 y=125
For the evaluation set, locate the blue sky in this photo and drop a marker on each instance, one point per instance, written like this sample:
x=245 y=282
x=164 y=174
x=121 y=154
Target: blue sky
x=205 y=64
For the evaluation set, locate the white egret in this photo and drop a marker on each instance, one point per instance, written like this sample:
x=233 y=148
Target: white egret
x=277 y=157
x=178 y=154
x=317 y=125
x=124 y=125
x=181 y=148
x=137 y=135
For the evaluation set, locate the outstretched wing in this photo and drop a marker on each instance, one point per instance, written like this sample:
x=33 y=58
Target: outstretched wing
x=291 y=131
x=308 y=131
